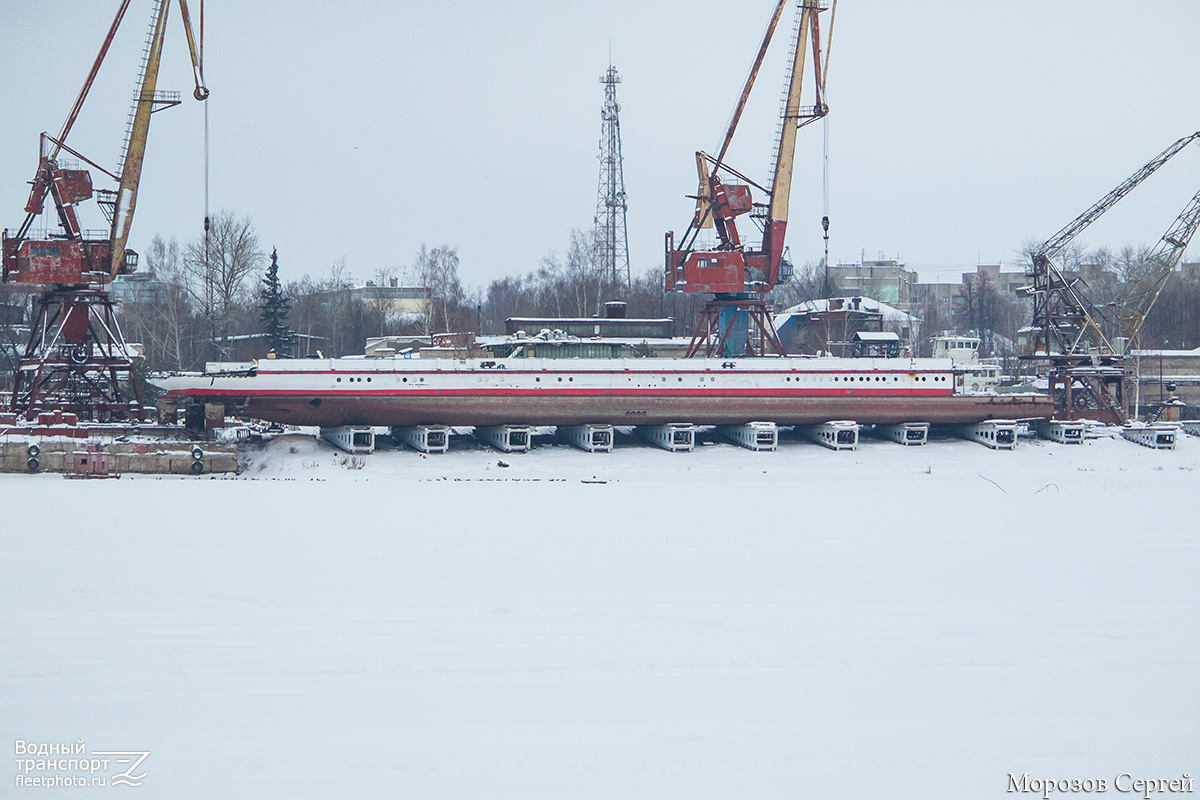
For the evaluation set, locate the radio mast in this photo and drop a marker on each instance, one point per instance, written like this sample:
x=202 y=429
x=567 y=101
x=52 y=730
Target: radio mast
x=612 y=244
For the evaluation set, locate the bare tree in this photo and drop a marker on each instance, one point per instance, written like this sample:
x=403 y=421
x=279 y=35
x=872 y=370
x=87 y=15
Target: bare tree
x=335 y=286
x=437 y=271
x=221 y=266
x=170 y=303
x=551 y=281
x=807 y=283
x=307 y=312
x=381 y=304
x=586 y=278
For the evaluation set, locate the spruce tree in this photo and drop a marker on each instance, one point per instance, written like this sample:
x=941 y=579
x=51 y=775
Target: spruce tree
x=274 y=307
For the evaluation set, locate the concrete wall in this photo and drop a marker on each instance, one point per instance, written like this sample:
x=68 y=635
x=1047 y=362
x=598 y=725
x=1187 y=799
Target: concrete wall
x=152 y=458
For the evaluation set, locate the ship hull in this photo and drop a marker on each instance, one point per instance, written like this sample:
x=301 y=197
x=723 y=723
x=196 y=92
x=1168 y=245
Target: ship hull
x=403 y=392
x=621 y=410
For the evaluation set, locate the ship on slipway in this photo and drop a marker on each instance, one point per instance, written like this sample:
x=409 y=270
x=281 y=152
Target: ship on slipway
x=732 y=382
x=620 y=391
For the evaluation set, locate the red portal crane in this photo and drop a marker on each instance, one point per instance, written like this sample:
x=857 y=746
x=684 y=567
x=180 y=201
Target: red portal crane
x=737 y=273
x=76 y=359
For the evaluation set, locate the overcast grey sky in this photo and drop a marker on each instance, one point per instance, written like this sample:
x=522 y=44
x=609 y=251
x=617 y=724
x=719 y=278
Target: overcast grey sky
x=361 y=129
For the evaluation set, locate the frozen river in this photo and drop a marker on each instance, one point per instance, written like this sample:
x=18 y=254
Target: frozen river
x=885 y=623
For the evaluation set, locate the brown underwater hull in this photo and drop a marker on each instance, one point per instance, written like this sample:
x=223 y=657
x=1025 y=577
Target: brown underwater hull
x=335 y=409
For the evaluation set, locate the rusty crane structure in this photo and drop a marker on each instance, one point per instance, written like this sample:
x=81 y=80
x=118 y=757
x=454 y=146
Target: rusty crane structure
x=76 y=359
x=1081 y=343
x=737 y=271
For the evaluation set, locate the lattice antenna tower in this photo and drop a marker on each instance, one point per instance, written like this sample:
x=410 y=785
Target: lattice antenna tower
x=612 y=243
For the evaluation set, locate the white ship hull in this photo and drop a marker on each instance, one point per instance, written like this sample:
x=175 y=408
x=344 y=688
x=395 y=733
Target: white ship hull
x=639 y=391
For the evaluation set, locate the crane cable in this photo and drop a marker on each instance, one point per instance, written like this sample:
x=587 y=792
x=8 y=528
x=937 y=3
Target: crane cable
x=825 y=126
x=208 y=293
x=205 y=136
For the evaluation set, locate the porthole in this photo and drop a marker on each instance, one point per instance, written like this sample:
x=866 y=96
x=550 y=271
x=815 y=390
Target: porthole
x=537 y=380
x=368 y=380
x=680 y=380
x=339 y=380
x=570 y=380
x=404 y=380
x=560 y=380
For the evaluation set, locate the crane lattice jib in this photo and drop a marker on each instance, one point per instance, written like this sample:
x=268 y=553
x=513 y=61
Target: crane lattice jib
x=1061 y=239
x=145 y=105
x=1062 y=313
x=1143 y=289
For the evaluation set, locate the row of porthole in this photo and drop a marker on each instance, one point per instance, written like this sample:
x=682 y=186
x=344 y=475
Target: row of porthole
x=915 y=378
x=817 y=378
x=353 y=379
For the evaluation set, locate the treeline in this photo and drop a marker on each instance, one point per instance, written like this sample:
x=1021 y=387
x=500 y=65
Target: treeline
x=200 y=306
x=207 y=296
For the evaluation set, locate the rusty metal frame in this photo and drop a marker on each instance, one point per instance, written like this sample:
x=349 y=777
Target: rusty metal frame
x=760 y=322
x=93 y=377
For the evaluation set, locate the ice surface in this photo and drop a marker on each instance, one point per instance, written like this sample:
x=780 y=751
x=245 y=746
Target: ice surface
x=886 y=623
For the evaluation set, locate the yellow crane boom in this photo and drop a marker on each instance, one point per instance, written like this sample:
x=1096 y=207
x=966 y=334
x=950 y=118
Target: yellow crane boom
x=148 y=101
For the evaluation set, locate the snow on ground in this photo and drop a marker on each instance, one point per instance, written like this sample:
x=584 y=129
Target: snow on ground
x=885 y=623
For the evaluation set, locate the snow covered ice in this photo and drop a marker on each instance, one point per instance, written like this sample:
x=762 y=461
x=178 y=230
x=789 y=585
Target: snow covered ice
x=885 y=623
